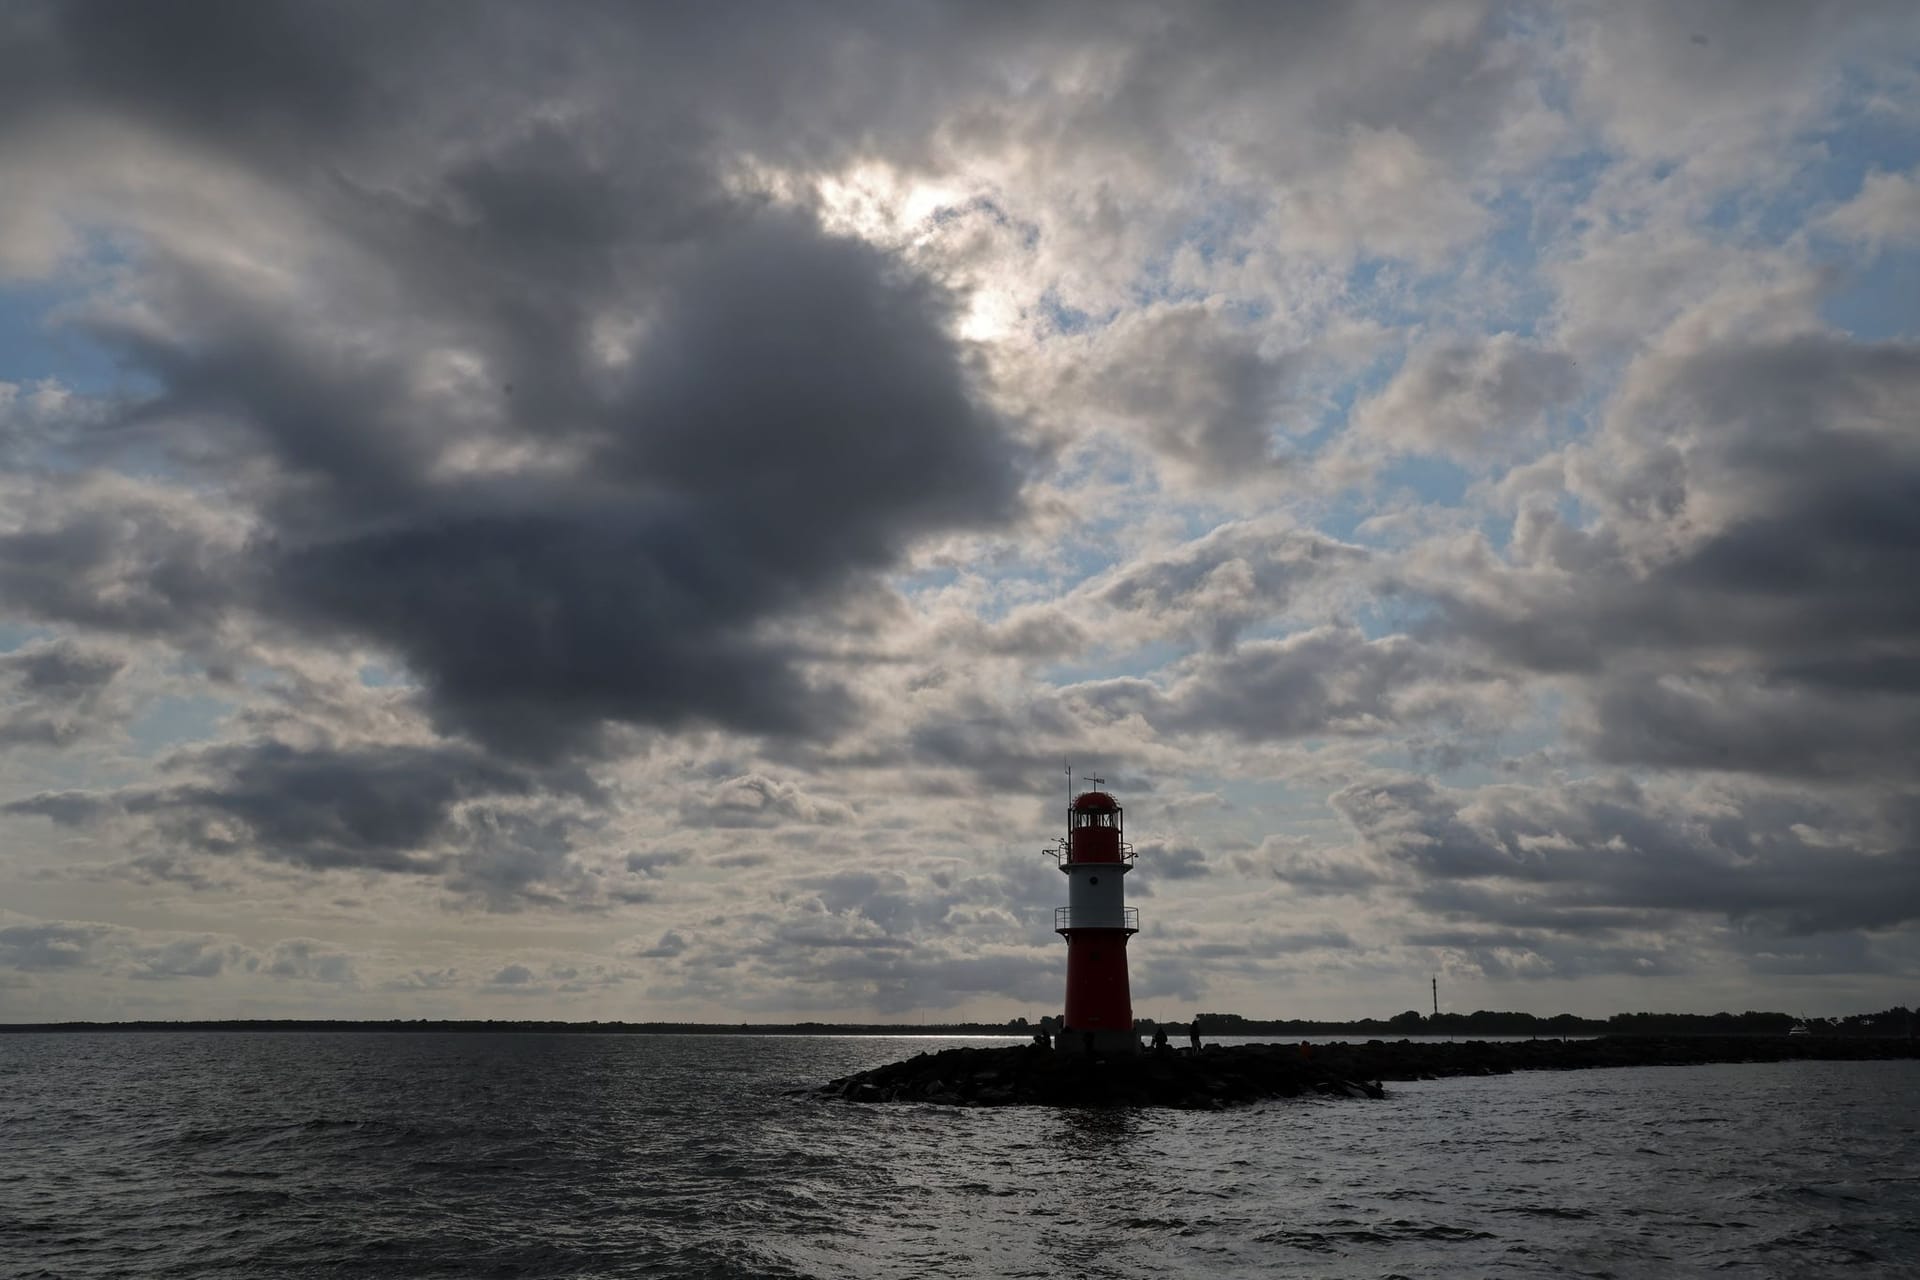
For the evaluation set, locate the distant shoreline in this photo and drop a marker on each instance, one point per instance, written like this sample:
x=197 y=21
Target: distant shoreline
x=1241 y=1030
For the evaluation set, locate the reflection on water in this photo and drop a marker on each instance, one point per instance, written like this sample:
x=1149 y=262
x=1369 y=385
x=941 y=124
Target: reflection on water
x=1102 y=1134
x=473 y=1155
x=1101 y=1153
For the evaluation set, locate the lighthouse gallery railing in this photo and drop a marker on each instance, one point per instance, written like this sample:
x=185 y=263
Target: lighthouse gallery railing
x=1063 y=854
x=1068 y=918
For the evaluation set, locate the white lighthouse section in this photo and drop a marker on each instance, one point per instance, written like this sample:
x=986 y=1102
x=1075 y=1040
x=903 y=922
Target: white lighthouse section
x=1096 y=895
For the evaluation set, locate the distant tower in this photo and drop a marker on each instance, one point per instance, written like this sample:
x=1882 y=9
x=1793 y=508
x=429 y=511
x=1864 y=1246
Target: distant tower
x=1096 y=923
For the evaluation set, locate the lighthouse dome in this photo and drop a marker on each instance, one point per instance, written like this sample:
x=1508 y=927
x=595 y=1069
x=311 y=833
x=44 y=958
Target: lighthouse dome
x=1096 y=802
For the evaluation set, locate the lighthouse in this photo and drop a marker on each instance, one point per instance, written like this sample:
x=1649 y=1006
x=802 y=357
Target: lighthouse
x=1096 y=922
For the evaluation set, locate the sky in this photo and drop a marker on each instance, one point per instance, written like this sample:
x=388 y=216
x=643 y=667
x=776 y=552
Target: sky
x=599 y=511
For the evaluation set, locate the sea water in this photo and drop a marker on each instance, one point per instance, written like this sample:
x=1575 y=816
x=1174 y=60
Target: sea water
x=342 y=1154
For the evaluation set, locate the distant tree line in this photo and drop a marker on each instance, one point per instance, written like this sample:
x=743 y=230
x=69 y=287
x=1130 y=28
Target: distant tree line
x=1897 y=1021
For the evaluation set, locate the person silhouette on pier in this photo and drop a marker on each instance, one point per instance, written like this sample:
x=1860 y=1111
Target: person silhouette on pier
x=1193 y=1035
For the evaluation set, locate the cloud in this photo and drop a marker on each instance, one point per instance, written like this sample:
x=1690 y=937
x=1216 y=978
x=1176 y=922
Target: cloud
x=1030 y=632
x=1540 y=955
x=1790 y=864
x=442 y=810
x=671 y=943
x=1700 y=80
x=1329 y=680
x=45 y=945
x=653 y=865
x=57 y=949
x=1216 y=586
x=1307 y=869
x=309 y=960
x=1202 y=393
x=56 y=693
x=1464 y=396
x=1175 y=862
x=117 y=555
x=185 y=958
x=753 y=800
x=876 y=938
x=1886 y=213
x=1735 y=604
x=798 y=420
x=425 y=980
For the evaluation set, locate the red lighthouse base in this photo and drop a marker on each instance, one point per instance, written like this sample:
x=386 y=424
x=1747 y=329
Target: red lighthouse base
x=1099 y=1015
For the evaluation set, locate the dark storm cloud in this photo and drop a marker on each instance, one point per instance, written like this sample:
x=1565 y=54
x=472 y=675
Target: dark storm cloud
x=54 y=692
x=59 y=670
x=274 y=77
x=1791 y=865
x=276 y=80
x=789 y=413
x=112 y=555
x=381 y=808
x=326 y=808
x=1746 y=603
x=798 y=417
x=1766 y=724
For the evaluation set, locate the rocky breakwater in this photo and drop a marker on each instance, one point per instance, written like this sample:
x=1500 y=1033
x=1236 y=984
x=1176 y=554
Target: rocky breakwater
x=1212 y=1080
x=1434 y=1059
x=1222 y=1076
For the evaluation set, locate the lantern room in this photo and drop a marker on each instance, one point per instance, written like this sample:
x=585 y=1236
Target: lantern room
x=1094 y=829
